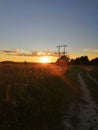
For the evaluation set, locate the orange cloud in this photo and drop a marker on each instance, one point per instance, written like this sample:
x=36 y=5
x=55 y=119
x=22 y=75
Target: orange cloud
x=18 y=52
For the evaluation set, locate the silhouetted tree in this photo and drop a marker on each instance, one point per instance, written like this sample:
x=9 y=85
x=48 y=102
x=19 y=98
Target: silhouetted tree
x=63 y=60
x=65 y=57
x=83 y=60
x=7 y=62
x=94 y=61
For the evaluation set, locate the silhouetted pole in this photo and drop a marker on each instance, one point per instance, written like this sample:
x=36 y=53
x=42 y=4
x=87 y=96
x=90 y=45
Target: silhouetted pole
x=58 y=50
x=64 y=48
x=59 y=47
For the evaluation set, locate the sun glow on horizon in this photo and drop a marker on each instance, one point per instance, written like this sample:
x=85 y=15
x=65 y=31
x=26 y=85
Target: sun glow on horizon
x=45 y=59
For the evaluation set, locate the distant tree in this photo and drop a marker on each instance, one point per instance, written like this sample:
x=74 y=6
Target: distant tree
x=94 y=61
x=7 y=62
x=71 y=61
x=83 y=60
x=63 y=60
x=65 y=57
x=25 y=62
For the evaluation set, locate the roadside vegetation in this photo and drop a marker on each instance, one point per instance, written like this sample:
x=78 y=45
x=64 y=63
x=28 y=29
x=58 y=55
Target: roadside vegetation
x=31 y=97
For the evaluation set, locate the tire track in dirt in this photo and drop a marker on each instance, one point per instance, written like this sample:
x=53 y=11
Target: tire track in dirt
x=84 y=111
x=88 y=116
x=92 y=78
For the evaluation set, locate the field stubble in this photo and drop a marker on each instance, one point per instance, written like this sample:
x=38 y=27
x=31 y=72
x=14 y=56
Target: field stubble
x=32 y=96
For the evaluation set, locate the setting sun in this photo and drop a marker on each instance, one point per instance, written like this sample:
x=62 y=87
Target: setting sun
x=45 y=59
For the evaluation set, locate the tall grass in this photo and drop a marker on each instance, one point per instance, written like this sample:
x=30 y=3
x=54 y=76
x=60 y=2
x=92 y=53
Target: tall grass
x=31 y=98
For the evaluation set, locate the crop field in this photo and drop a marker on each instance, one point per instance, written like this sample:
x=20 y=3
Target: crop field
x=46 y=97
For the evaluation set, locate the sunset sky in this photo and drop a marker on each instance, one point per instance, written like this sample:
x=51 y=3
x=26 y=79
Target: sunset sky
x=35 y=25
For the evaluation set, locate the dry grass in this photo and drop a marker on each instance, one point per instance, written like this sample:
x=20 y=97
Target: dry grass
x=32 y=96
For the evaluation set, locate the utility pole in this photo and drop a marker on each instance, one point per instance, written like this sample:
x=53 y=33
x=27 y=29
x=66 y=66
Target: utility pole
x=64 y=48
x=58 y=50
x=59 y=47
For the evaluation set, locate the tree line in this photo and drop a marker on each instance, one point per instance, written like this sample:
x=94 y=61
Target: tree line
x=84 y=60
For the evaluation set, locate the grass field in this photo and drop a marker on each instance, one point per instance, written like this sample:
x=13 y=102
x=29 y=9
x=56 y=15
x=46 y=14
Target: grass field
x=32 y=96
x=37 y=96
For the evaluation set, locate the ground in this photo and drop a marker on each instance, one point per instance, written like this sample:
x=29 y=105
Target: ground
x=48 y=97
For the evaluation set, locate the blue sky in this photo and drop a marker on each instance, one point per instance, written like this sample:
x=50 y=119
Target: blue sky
x=44 y=24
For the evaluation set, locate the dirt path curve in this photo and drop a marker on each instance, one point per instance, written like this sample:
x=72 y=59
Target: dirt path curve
x=88 y=117
x=92 y=78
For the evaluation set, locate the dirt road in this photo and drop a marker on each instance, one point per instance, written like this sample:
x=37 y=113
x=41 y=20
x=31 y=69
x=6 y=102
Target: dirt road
x=88 y=116
x=84 y=111
x=92 y=78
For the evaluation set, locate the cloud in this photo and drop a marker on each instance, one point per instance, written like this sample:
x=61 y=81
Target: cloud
x=8 y=51
x=18 y=52
x=90 y=50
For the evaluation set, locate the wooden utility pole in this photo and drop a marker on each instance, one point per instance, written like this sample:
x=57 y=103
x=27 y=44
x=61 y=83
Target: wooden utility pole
x=59 y=50
x=59 y=47
x=64 y=48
